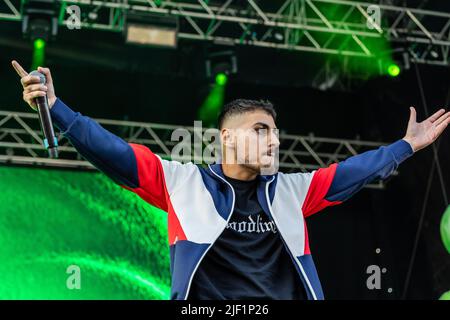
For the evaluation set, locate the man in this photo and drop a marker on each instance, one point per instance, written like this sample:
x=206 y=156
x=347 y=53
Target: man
x=234 y=232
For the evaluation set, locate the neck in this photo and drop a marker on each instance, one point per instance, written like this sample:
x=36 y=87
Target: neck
x=239 y=172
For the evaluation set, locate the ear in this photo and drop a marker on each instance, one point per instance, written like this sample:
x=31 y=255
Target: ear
x=227 y=137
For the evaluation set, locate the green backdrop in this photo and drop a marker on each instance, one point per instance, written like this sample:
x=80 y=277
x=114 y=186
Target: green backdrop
x=51 y=219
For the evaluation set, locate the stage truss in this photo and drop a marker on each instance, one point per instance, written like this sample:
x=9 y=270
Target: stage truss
x=21 y=143
x=302 y=25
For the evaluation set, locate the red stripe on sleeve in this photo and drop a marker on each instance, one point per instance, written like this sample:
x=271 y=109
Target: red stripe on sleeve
x=320 y=184
x=152 y=188
x=175 y=230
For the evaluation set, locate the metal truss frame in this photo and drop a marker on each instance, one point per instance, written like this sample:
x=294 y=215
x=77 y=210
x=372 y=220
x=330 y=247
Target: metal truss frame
x=21 y=143
x=301 y=25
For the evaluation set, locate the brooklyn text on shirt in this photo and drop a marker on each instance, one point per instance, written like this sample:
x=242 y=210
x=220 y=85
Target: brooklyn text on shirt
x=255 y=224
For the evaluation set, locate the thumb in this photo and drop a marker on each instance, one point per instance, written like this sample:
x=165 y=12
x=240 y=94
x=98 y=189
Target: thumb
x=48 y=75
x=412 y=115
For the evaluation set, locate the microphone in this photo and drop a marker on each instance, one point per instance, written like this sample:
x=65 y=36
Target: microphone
x=50 y=140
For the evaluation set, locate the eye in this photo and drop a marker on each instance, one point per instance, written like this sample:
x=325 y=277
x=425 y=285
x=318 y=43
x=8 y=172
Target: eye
x=261 y=131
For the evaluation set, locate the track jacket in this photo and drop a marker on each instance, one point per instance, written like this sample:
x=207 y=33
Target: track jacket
x=199 y=201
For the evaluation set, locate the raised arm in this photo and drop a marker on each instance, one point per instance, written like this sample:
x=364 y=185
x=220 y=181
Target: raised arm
x=338 y=182
x=132 y=166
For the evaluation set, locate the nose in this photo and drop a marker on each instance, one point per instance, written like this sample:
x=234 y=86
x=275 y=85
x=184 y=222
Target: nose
x=274 y=139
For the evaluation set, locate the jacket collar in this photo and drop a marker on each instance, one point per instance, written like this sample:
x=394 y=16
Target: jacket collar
x=217 y=168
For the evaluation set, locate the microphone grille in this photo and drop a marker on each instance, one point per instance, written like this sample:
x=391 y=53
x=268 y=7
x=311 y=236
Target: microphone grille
x=41 y=76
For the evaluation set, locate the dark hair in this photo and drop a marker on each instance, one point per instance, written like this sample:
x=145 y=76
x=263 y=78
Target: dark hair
x=240 y=106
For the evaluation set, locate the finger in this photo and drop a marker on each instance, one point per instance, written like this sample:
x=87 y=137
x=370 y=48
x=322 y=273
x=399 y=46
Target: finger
x=442 y=119
x=35 y=87
x=440 y=128
x=436 y=115
x=27 y=80
x=412 y=115
x=46 y=72
x=33 y=95
x=20 y=71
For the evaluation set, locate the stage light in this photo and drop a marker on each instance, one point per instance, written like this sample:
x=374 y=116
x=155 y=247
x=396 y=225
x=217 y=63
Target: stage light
x=393 y=70
x=38 y=53
x=221 y=79
x=150 y=35
x=39 y=44
x=151 y=30
x=39 y=24
x=39 y=19
x=221 y=62
x=219 y=66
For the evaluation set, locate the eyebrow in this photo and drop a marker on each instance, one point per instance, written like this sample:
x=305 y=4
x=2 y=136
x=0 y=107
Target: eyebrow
x=264 y=125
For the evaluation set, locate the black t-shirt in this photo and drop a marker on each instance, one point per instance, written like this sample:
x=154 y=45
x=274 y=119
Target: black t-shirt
x=248 y=260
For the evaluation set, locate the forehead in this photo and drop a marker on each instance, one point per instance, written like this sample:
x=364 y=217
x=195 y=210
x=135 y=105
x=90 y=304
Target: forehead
x=249 y=119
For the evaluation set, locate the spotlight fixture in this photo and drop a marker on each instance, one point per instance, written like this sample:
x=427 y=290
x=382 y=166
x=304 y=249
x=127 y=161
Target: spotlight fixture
x=39 y=19
x=151 y=30
x=219 y=65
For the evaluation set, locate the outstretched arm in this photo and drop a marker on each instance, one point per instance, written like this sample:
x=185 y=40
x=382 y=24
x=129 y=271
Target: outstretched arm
x=132 y=166
x=338 y=182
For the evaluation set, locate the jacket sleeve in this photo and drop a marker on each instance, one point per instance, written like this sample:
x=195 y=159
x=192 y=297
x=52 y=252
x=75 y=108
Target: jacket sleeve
x=132 y=166
x=338 y=182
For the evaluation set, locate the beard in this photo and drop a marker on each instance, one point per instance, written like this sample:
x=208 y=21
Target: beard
x=266 y=166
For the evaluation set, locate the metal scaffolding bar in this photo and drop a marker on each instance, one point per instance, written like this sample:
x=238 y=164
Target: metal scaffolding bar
x=303 y=25
x=21 y=143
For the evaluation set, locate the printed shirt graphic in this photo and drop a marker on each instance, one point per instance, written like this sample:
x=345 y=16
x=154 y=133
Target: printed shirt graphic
x=249 y=260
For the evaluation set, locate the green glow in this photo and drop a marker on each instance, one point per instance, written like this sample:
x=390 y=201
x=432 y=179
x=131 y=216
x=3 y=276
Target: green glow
x=445 y=296
x=50 y=219
x=38 y=53
x=221 y=79
x=39 y=44
x=213 y=103
x=445 y=229
x=393 y=70
x=375 y=51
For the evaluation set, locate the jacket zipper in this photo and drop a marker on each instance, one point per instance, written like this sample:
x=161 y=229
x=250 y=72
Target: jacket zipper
x=209 y=247
x=289 y=250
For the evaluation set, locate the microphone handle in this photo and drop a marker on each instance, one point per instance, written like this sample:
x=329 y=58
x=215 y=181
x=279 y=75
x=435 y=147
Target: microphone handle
x=50 y=140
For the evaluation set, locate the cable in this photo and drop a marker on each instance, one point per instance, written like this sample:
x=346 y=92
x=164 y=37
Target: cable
x=435 y=154
x=435 y=164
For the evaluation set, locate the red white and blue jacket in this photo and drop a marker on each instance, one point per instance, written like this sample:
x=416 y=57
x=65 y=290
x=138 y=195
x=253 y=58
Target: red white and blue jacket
x=199 y=201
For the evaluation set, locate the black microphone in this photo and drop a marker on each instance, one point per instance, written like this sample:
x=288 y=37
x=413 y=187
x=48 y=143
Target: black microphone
x=50 y=140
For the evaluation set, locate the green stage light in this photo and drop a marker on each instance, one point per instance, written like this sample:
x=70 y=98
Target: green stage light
x=393 y=70
x=221 y=79
x=39 y=44
x=38 y=53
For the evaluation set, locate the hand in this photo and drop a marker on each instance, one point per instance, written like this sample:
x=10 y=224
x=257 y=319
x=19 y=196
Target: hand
x=32 y=88
x=422 y=134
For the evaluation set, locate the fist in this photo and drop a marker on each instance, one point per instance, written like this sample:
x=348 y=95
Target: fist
x=32 y=88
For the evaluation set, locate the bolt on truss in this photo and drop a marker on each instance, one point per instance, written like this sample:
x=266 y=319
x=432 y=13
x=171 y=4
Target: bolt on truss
x=305 y=25
x=21 y=143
